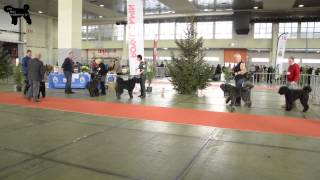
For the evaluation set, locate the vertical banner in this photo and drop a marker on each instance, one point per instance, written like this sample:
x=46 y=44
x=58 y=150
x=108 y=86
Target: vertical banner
x=135 y=33
x=282 y=42
x=155 y=51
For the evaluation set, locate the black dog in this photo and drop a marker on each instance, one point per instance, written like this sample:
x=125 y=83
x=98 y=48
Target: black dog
x=233 y=93
x=92 y=86
x=16 y=13
x=292 y=95
x=125 y=84
x=42 y=89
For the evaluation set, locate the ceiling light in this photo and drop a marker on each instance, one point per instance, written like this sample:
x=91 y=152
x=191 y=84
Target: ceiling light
x=318 y=52
x=206 y=10
x=301 y=5
x=165 y=48
x=190 y=0
x=256 y=7
x=100 y=16
x=101 y=5
x=40 y=12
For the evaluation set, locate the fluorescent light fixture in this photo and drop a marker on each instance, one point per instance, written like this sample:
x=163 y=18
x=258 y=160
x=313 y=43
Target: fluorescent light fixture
x=100 y=16
x=256 y=7
x=190 y=0
x=101 y=5
x=301 y=5
x=206 y=10
x=40 y=12
x=212 y=59
x=165 y=48
x=260 y=59
x=311 y=61
x=318 y=51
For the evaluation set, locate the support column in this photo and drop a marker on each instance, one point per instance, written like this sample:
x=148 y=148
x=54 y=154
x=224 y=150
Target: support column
x=273 y=52
x=22 y=35
x=124 y=58
x=69 y=29
x=50 y=40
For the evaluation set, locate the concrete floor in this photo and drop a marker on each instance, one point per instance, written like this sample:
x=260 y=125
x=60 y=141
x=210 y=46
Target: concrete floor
x=46 y=144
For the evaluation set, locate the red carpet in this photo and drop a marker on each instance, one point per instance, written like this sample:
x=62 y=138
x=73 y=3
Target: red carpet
x=271 y=124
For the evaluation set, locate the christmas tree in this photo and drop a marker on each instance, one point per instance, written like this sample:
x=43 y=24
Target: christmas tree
x=5 y=65
x=189 y=71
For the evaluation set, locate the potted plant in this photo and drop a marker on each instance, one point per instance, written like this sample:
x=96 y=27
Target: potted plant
x=17 y=75
x=150 y=75
x=85 y=69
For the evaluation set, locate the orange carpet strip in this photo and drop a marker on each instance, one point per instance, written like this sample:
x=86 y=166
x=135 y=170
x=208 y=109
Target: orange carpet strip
x=248 y=122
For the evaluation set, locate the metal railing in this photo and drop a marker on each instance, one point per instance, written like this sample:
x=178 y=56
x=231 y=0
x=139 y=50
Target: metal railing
x=161 y=72
x=276 y=80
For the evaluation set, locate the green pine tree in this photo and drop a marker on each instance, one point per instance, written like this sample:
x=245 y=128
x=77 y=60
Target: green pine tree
x=189 y=71
x=5 y=65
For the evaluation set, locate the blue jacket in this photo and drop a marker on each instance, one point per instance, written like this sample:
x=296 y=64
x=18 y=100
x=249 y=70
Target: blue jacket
x=24 y=63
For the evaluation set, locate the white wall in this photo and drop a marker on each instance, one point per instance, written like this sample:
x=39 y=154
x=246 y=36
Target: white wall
x=37 y=38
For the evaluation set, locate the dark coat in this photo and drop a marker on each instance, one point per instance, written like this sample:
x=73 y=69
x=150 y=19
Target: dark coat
x=35 y=70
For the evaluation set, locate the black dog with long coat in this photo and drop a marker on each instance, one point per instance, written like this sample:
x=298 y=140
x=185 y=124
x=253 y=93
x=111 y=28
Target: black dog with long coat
x=292 y=95
x=92 y=86
x=233 y=93
x=125 y=84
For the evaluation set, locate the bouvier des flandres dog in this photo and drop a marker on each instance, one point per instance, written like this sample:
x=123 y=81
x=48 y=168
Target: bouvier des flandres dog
x=292 y=95
x=125 y=84
x=93 y=85
x=233 y=93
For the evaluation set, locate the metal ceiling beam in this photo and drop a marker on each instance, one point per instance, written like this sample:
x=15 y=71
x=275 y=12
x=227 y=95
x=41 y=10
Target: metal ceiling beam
x=278 y=4
x=100 y=11
x=180 y=6
x=150 y=17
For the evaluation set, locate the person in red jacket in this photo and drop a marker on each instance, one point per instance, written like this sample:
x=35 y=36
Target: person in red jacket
x=293 y=74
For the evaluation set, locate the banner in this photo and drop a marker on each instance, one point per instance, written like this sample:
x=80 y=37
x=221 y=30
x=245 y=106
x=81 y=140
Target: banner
x=135 y=33
x=282 y=42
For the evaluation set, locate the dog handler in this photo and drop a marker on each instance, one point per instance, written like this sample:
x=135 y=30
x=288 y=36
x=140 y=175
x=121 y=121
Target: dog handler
x=25 y=61
x=293 y=74
x=239 y=72
x=142 y=69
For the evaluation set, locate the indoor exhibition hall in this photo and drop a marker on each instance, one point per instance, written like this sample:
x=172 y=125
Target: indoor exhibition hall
x=159 y=90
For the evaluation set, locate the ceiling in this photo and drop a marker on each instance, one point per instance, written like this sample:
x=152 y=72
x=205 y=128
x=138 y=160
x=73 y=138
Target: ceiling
x=115 y=10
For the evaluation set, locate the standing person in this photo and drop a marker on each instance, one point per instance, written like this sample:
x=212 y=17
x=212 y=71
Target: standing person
x=309 y=72
x=142 y=69
x=35 y=76
x=67 y=67
x=218 y=72
x=116 y=67
x=102 y=72
x=239 y=72
x=24 y=63
x=293 y=74
x=317 y=71
x=269 y=76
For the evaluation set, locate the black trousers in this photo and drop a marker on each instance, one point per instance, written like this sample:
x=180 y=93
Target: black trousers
x=26 y=85
x=143 y=85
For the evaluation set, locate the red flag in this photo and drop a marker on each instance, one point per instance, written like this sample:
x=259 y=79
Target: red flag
x=155 y=53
